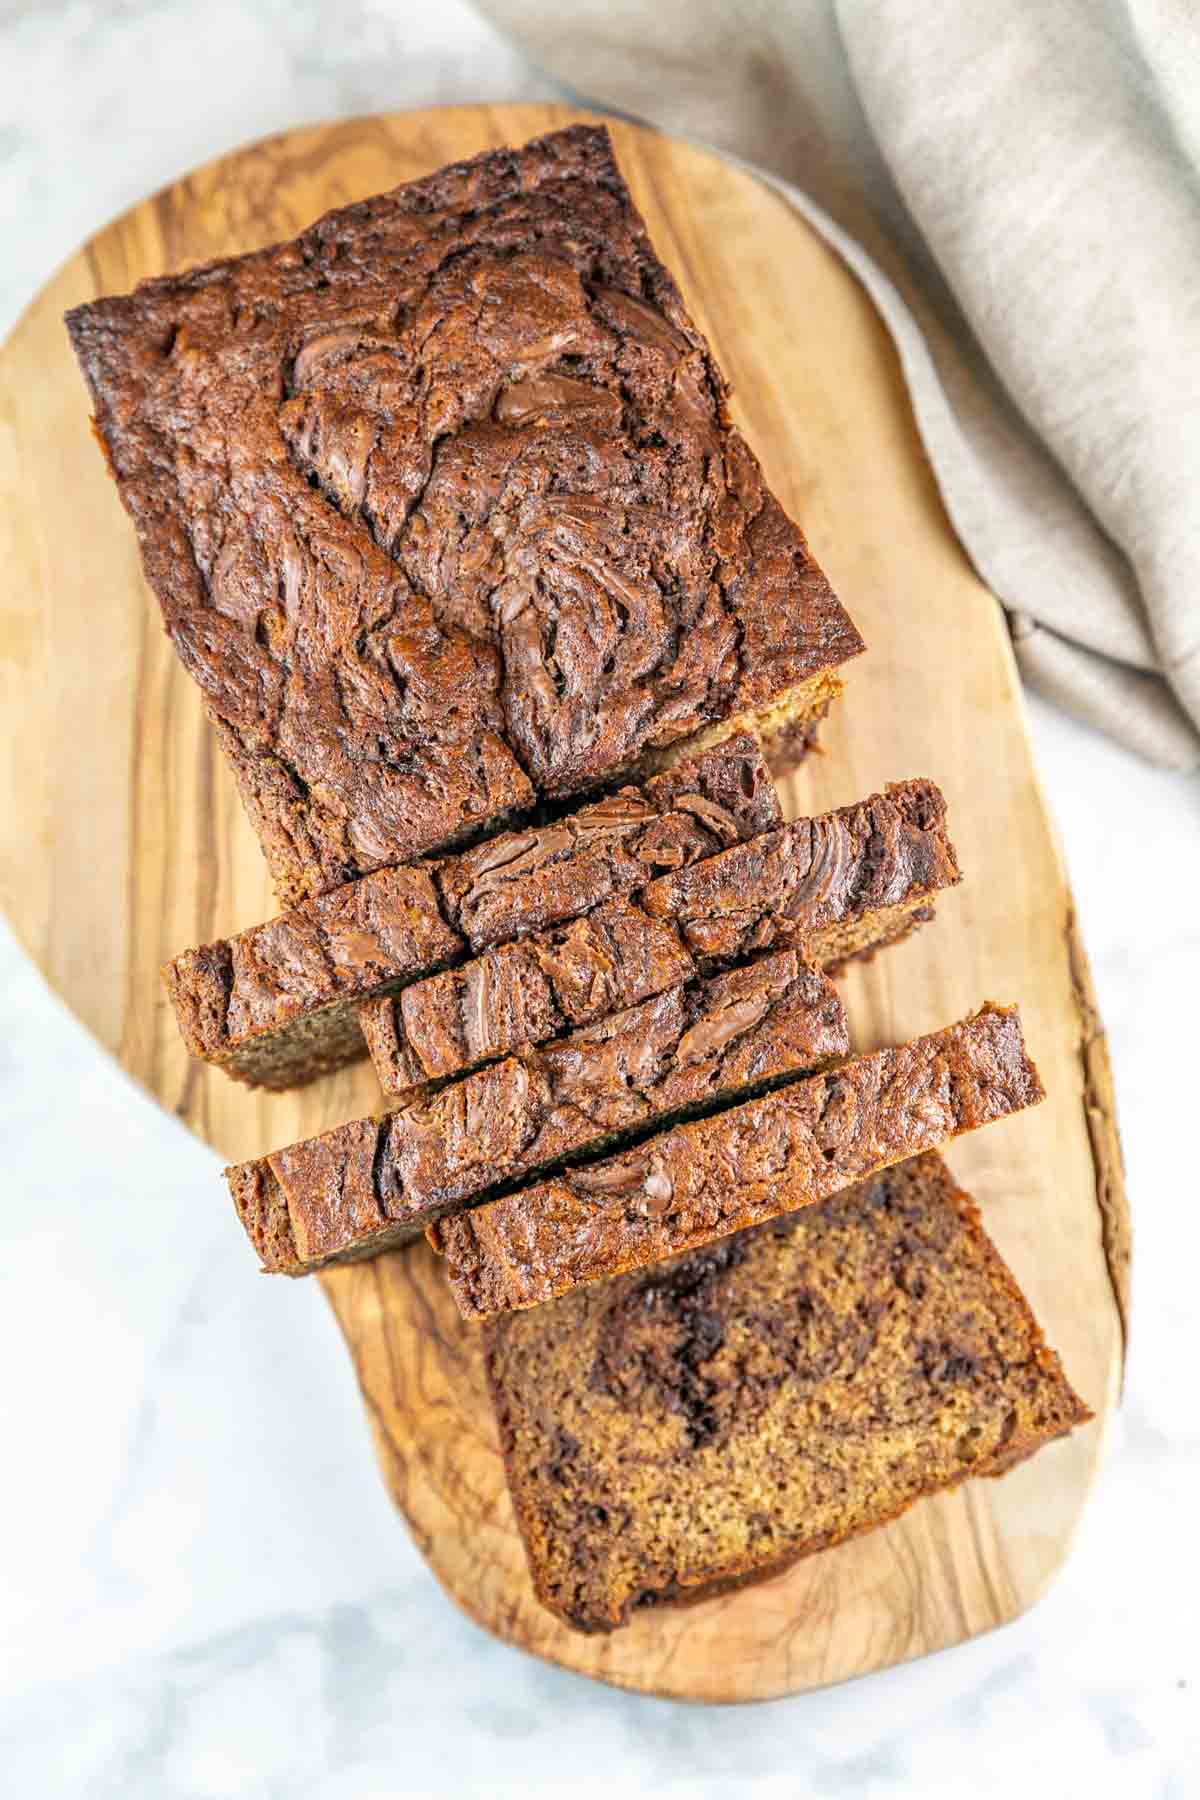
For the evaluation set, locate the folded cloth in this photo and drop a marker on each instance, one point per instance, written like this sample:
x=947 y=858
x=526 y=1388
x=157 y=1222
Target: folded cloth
x=1017 y=189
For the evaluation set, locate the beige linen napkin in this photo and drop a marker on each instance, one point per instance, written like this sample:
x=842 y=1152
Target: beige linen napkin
x=1015 y=182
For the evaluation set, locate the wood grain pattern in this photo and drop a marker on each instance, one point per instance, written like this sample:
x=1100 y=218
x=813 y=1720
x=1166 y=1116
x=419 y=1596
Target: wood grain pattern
x=121 y=842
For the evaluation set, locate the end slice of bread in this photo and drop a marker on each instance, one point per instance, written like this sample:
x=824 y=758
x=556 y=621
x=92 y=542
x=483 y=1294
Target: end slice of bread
x=676 y=1432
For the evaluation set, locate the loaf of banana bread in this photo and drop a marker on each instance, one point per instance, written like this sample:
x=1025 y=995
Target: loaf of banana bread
x=700 y=1181
x=369 y=1185
x=444 y=511
x=677 y=1431
x=275 y=1006
x=842 y=885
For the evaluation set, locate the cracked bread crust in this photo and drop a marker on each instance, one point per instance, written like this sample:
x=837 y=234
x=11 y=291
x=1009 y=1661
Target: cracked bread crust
x=354 y=1189
x=274 y=1006
x=701 y=1181
x=670 y=1434
x=443 y=508
x=840 y=886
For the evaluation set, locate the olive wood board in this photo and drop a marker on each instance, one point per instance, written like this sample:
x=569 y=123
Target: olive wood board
x=122 y=842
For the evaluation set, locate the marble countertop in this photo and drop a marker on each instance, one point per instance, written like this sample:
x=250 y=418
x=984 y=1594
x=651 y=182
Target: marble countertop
x=205 y=1589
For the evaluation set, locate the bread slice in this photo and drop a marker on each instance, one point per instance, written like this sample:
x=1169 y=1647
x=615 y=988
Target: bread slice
x=842 y=884
x=370 y=1185
x=846 y=882
x=701 y=1181
x=521 y=994
x=276 y=1005
x=687 y=1428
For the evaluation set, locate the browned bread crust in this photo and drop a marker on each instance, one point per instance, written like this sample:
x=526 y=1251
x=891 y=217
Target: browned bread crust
x=444 y=510
x=365 y=1186
x=813 y=878
x=676 y=1432
x=521 y=993
x=842 y=885
x=275 y=1006
x=701 y=1181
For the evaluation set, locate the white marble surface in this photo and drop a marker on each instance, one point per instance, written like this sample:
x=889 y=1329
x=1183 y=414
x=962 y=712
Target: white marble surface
x=203 y=1590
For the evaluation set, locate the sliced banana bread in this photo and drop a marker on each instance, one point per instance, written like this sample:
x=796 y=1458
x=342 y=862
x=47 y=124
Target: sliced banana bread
x=841 y=885
x=367 y=1186
x=674 y=1432
x=275 y=1006
x=849 y=881
x=701 y=1181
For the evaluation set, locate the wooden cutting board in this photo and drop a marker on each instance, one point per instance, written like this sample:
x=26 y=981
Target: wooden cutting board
x=121 y=842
